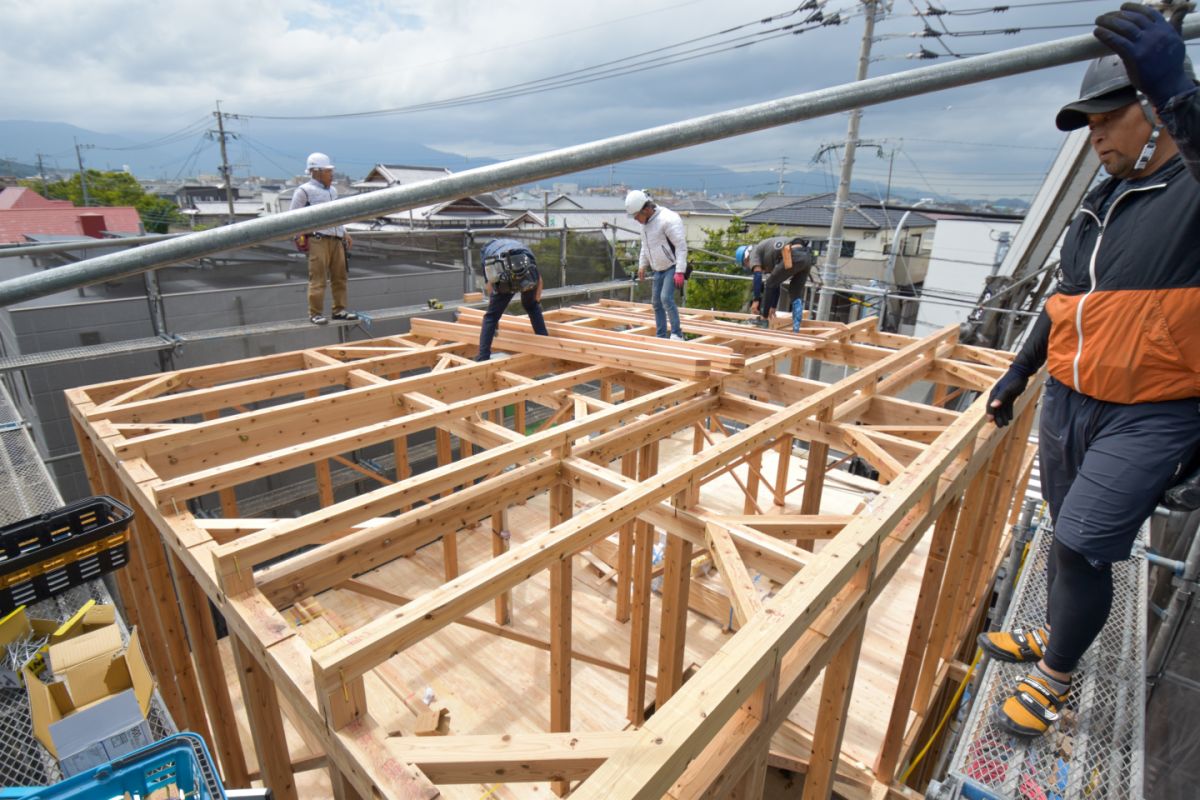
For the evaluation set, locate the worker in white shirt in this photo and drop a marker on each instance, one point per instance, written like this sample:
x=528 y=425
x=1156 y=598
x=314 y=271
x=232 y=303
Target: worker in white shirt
x=327 y=247
x=664 y=250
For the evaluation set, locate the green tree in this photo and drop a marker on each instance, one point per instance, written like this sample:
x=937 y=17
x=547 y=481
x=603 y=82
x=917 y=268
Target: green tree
x=114 y=189
x=717 y=293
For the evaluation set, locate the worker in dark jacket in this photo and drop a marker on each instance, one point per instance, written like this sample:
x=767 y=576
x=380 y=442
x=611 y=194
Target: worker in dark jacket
x=774 y=262
x=1121 y=412
x=508 y=268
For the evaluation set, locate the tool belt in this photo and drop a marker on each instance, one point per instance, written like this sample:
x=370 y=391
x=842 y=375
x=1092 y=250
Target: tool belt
x=515 y=269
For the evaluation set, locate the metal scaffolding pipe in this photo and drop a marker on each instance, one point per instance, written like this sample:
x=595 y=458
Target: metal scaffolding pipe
x=651 y=141
x=13 y=251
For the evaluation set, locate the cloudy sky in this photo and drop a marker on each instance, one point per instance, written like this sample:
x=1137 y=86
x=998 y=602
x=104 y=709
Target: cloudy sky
x=566 y=72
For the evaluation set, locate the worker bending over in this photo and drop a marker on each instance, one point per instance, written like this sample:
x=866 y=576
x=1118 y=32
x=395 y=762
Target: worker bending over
x=508 y=268
x=773 y=262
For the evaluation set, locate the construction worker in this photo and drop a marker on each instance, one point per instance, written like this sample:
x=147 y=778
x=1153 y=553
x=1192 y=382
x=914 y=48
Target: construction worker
x=664 y=250
x=1121 y=412
x=326 y=248
x=772 y=262
x=509 y=267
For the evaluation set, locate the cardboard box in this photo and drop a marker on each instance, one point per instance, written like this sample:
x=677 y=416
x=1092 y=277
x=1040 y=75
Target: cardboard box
x=18 y=625
x=95 y=707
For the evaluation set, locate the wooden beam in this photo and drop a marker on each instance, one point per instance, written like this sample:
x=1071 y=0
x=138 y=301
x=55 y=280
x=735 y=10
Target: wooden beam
x=742 y=591
x=366 y=589
x=793 y=526
x=313 y=528
x=510 y=757
x=631 y=358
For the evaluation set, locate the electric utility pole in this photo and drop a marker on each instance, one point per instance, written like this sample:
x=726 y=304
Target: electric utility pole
x=782 y=172
x=42 y=175
x=79 y=148
x=226 y=170
x=830 y=269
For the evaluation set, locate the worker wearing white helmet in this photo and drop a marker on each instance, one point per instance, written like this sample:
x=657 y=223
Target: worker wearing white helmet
x=327 y=247
x=664 y=250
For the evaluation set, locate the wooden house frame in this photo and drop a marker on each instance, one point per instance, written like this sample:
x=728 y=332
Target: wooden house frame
x=614 y=394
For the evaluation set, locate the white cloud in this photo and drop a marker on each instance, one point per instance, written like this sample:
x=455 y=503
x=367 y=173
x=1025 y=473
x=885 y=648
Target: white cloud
x=147 y=68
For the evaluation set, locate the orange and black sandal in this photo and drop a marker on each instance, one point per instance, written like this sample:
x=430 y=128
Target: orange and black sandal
x=1033 y=707
x=1018 y=646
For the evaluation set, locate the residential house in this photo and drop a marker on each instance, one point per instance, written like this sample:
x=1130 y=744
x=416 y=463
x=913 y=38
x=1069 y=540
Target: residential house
x=479 y=211
x=26 y=215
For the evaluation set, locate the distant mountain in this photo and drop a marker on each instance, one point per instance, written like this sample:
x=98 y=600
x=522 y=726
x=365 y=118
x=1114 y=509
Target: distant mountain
x=9 y=167
x=277 y=150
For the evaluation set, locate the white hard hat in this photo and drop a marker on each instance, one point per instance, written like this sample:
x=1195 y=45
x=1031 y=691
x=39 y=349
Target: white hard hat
x=635 y=201
x=318 y=161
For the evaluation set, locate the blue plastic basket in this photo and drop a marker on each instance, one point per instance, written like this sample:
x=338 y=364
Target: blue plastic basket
x=181 y=760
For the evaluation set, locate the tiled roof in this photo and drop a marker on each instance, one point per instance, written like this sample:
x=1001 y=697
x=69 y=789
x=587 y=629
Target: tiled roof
x=393 y=174
x=63 y=221
x=698 y=207
x=816 y=211
x=22 y=197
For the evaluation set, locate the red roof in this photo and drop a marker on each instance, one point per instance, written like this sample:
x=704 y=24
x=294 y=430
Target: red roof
x=21 y=197
x=24 y=211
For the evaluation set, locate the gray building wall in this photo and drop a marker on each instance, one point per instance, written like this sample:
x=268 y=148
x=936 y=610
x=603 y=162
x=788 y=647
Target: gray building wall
x=81 y=321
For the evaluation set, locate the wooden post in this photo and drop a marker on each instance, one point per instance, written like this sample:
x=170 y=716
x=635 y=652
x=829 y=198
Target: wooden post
x=918 y=638
x=781 y=472
x=625 y=548
x=342 y=788
x=831 y=719
x=266 y=724
x=673 y=630
x=753 y=468
x=202 y=637
x=561 y=508
x=449 y=539
x=639 y=630
x=814 y=477
x=500 y=542
x=403 y=469
x=956 y=564
x=159 y=642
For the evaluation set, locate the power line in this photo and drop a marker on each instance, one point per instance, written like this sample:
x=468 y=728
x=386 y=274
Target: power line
x=166 y=139
x=640 y=62
x=967 y=12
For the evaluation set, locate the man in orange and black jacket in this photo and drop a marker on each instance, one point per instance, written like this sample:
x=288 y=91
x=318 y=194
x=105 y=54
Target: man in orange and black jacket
x=1121 y=340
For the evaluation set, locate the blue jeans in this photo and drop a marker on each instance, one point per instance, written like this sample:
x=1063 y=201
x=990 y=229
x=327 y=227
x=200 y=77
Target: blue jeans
x=663 y=300
x=497 y=304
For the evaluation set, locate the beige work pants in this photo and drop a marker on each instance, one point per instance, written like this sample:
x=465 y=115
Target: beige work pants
x=326 y=262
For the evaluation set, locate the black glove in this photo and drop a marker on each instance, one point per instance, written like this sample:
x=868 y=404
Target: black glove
x=1151 y=50
x=1006 y=390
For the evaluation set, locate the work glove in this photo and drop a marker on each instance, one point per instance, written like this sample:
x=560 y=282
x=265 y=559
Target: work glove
x=1149 y=47
x=1006 y=390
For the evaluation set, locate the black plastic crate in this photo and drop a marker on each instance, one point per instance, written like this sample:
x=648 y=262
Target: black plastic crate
x=48 y=554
